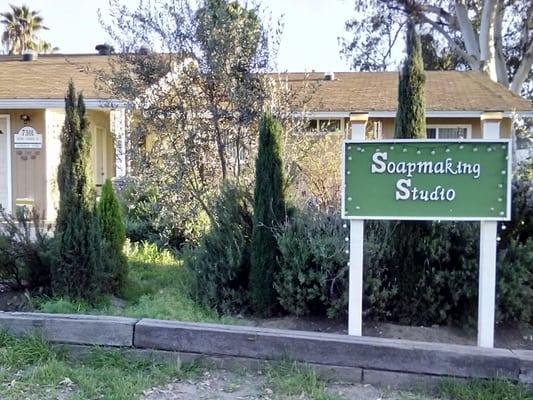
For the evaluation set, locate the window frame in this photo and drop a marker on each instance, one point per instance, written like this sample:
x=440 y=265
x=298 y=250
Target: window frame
x=468 y=128
x=319 y=132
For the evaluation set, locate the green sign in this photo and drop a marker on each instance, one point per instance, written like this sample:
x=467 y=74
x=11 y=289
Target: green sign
x=427 y=180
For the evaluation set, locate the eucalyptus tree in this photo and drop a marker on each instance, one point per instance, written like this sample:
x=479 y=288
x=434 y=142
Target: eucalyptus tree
x=21 y=26
x=495 y=36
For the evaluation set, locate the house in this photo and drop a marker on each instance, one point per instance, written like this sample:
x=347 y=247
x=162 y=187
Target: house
x=32 y=114
x=456 y=103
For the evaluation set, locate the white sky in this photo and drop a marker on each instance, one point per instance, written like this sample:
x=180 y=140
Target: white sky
x=309 y=41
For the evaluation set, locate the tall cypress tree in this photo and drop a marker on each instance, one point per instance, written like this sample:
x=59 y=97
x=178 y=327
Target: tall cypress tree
x=269 y=210
x=78 y=272
x=410 y=117
x=410 y=124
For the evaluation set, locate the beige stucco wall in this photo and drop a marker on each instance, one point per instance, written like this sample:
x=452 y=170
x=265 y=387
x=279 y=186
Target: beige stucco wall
x=34 y=171
x=475 y=123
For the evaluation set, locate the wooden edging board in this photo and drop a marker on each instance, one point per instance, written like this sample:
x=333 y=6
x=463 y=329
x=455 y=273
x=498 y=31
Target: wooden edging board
x=332 y=351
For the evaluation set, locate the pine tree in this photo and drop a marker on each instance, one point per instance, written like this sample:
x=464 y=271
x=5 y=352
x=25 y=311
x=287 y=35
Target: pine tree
x=410 y=117
x=410 y=124
x=114 y=237
x=78 y=273
x=269 y=210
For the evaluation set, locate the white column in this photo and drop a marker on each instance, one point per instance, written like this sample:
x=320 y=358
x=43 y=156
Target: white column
x=117 y=120
x=487 y=254
x=355 y=291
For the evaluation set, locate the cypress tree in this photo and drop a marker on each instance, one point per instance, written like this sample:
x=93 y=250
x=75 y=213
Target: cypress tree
x=114 y=237
x=410 y=124
x=269 y=210
x=78 y=272
x=410 y=117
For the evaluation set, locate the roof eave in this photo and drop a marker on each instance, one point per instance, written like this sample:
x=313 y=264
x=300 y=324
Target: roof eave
x=34 y=103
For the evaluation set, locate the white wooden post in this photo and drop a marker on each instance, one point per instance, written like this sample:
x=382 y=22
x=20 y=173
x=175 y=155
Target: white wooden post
x=355 y=291
x=487 y=254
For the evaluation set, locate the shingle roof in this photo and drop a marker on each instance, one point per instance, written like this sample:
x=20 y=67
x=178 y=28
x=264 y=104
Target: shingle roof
x=48 y=76
x=378 y=91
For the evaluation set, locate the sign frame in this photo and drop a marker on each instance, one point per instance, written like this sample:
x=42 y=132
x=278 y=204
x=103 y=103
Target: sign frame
x=506 y=217
x=20 y=143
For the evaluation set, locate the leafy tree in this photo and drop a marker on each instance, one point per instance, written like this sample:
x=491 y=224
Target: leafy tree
x=78 y=273
x=495 y=36
x=410 y=117
x=269 y=211
x=21 y=28
x=114 y=237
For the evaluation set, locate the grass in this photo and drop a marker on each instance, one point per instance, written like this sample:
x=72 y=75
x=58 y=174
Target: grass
x=294 y=379
x=157 y=288
x=30 y=368
x=495 y=389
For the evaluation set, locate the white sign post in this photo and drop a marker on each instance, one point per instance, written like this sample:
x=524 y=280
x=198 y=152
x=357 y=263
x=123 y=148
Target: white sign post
x=357 y=236
x=488 y=242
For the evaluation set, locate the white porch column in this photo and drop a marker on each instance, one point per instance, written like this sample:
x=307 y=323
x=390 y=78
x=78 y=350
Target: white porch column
x=355 y=291
x=118 y=128
x=487 y=253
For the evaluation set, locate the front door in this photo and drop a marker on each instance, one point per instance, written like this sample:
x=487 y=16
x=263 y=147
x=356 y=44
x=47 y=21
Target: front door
x=5 y=163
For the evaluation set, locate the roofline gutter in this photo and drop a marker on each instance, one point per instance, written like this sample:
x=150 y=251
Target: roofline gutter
x=392 y=114
x=90 y=103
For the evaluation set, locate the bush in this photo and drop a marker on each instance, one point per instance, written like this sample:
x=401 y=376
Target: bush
x=313 y=277
x=114 y=237
x=220 y=264
x=27 y=252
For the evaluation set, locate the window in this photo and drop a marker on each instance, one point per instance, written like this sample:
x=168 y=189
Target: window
x=318 y=125
x=448 y=131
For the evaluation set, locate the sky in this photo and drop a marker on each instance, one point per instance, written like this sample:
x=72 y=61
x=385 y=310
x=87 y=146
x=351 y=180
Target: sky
x=309 y=40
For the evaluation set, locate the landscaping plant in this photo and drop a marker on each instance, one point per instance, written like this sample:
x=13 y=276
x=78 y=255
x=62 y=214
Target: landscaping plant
x=79 y=272
x=114 y=237
x=269 y=211
x=220 y=265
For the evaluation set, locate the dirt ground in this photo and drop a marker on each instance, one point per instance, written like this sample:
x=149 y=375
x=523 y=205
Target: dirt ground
x=225 y=385
x=507 y=337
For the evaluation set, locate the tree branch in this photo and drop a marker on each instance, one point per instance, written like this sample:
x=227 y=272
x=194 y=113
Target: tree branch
x=467 y=30
x=523 y=70
x=474 y=63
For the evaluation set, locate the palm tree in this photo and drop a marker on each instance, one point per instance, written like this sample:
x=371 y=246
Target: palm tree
x=21 y=27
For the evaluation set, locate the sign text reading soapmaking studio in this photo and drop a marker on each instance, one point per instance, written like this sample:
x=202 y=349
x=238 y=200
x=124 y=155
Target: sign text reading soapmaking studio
x=459 y=180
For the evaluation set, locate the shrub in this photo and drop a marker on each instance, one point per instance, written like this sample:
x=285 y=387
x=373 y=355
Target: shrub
x=220 y=264
x=26 y=252
x=114 y=237
x=269 y=211
x=79 y=270
x=313 y=277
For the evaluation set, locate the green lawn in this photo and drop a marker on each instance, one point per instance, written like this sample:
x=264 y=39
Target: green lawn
x=157 y=288
x=30 y=368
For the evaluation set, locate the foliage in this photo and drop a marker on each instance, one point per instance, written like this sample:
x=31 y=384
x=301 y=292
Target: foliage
x=492 y=36
x=114 y=237
x=21 y=28
x=410 y=117
x=148 y=218
x=220 y=264
x=494 y=389
x=514 y=292
x=269 y=211
x=27 y=251
x=79 y=270
x=313 y=275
